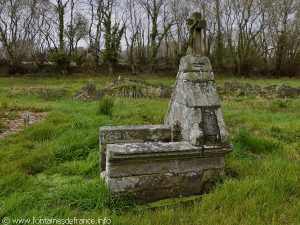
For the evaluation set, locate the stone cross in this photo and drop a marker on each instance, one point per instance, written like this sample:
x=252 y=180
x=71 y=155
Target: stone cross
x=196 y=24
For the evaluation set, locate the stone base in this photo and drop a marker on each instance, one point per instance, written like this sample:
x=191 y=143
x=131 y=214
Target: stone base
x=148 y=172
x=150 y=188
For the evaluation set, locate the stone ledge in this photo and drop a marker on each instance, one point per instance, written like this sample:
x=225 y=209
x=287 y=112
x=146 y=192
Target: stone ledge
x=149 y=147
x=160 y=150
x=128 y=134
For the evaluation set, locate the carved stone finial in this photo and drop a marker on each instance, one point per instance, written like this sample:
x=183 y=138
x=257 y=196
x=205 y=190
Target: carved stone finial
x=196 y=24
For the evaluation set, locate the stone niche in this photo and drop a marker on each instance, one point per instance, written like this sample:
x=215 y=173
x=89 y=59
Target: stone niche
x=184 y=156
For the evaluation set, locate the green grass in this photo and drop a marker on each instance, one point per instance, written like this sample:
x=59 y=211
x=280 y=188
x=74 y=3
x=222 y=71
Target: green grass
x=51 y=169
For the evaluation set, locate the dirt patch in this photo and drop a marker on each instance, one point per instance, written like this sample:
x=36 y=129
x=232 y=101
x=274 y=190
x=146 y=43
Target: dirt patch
x=25 y=118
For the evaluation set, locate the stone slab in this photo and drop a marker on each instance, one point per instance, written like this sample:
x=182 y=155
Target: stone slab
x=127 y=134
x=161 y=150
x=150 y=147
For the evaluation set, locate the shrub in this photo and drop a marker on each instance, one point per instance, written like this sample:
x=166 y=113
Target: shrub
x=106 y=106
x=61 y=59
x=129 y=90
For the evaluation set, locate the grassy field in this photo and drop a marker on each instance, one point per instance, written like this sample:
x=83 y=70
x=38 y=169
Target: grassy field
x=50 y=169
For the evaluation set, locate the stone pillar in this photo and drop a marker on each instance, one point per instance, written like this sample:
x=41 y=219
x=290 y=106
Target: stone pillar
x=195 y=104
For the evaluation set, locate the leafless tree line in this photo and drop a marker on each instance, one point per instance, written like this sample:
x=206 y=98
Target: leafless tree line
x=245 y=37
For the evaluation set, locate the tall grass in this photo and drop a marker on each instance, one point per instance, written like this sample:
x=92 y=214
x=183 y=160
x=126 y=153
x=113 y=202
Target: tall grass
x=254 y=144
x=106 y=106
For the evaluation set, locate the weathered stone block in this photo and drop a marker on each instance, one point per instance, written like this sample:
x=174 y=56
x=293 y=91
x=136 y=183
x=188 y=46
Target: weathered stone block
x=192 y=63
x=128 y=134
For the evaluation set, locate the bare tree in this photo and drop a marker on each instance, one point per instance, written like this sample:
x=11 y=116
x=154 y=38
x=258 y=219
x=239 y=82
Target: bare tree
x=219 y=40
x=179 y=32
x=113 y=32
x=133 y=32
x=242 y=18
x=38 y=41
x=95 y=15
x=283 y=26
x=156 y=9
x=55 y=23
x=15 y=19
x=77 y=30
